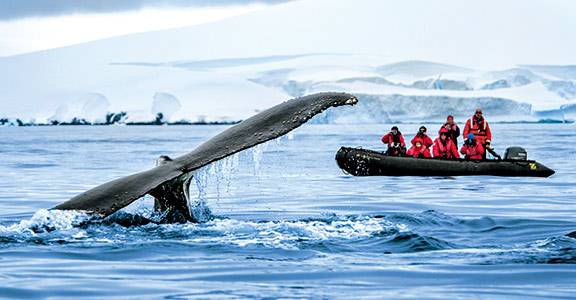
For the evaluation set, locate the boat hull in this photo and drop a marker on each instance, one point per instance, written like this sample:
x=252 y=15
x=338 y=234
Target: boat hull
x=363 y=162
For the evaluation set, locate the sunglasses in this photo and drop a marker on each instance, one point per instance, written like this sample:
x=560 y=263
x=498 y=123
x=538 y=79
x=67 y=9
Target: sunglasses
x=478 y=112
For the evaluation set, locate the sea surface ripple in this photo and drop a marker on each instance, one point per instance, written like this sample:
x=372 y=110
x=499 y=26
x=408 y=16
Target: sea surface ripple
x=281 y=220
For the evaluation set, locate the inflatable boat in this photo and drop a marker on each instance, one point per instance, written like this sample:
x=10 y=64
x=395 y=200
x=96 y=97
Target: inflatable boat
x=363 y=162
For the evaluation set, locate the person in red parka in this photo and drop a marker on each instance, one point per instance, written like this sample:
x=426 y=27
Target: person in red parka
x=478 y=126
x=453 y=129
x=420 y=144
x=426 y=140
x=418 y=149
x=444 y=146
x=472 y=150
x=395 y=142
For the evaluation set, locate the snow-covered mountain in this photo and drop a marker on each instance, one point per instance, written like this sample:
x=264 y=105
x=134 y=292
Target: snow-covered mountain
x=402 y=68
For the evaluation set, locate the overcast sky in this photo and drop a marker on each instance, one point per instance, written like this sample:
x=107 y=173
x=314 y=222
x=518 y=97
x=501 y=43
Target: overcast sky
x=32 y=25
x=15 y=9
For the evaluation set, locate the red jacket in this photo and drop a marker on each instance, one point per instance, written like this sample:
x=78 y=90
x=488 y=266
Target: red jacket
x=481 y=131
x=453 y=132
x=421 y=151
x=423 y=139
x=389 y=139
x=471 y=152
x=445 y=150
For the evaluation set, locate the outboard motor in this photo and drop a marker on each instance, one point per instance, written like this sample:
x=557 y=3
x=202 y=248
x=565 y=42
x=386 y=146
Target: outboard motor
x=515 y=153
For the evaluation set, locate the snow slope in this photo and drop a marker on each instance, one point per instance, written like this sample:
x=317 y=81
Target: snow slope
x=227 y=70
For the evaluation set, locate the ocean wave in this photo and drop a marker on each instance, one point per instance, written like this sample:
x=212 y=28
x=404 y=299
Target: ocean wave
x=401 y=234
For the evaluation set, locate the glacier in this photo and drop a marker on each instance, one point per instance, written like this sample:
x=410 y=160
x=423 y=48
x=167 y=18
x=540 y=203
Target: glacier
x=228 y=70
x=229 y=90
x=406 y=109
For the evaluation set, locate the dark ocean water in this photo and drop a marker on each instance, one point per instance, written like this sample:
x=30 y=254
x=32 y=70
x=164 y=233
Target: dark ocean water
x=282 y=221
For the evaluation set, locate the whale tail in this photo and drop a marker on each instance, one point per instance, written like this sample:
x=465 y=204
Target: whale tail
x=267 y=125
x=172 y=197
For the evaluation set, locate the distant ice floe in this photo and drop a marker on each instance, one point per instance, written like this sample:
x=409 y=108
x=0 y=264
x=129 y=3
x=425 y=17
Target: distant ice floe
x=165 y=104
x=91 y=107
x=95 y=108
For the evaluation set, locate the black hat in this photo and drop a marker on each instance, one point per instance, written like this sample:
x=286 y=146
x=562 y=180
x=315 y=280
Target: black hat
x=422 y=127
x=394 y=128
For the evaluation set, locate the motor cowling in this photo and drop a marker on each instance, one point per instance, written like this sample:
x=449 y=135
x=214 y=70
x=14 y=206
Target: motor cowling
x=515 y=153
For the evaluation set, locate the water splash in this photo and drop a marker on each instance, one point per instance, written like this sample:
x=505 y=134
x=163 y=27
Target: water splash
x=218 y=175
x=48 y=220
x=200 y=179
x=257 y=155
x=47 y=226
x=224 y=171
x=293 y=235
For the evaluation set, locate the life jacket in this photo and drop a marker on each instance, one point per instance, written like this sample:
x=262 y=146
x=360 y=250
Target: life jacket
x=481 y=130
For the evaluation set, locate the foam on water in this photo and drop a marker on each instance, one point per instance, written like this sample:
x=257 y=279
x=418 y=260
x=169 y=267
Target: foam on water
x=355 y=234
x=47 y=226
x=290 y=235
x=48 y=220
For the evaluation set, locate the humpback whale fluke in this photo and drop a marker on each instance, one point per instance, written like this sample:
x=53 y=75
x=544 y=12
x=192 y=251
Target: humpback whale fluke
x=267 y=125
x=172 y=197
